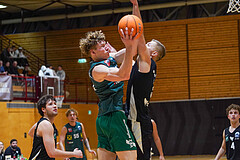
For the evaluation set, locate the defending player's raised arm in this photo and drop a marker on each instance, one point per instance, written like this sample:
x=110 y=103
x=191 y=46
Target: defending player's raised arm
x=102 y=72
x=222 y=149
x=46 y=130
x=136 y=10
x=119 y=55
x=144 y=59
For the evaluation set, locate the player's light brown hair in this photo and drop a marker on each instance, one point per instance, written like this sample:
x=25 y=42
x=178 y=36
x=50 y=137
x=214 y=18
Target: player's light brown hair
x=71 y=110
x=232 y=106
x=160 y=48
x=90 y=42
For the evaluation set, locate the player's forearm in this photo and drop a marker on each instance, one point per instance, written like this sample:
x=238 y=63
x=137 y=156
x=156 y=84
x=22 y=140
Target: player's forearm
x=86 y=143
x=56 y=153
x=159 y=146
x=220 y=153
x=136 y=11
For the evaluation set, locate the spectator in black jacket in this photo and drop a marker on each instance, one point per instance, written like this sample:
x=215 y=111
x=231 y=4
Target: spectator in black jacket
x=5 y=56
x=14 y=69
x=7 y=68
x=1 y=151
x=13 y=149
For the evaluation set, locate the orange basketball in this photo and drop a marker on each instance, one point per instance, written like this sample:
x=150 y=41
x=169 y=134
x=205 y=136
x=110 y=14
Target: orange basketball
x=131 y=21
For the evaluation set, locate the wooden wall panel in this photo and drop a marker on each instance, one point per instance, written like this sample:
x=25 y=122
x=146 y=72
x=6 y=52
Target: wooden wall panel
x=219 y=61
x=173 y=37
x=216 y=86
x=174 y=64
x=212 y=35
x=170 y=89
x=32 y=44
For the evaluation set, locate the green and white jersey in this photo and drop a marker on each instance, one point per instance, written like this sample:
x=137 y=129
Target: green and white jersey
x=74 y=139
x=109 y=93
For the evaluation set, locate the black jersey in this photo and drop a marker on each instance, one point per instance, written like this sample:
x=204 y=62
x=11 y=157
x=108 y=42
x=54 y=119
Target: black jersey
x=38 y=150
x=139 y=91
x=233 y=144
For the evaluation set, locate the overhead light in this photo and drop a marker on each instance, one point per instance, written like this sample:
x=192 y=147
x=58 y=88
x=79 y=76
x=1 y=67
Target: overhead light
x=82 y=60
x=2 y=6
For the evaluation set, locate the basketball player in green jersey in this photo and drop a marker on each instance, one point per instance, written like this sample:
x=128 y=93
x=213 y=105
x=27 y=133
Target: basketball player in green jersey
x=73 y=135
x=114 y=137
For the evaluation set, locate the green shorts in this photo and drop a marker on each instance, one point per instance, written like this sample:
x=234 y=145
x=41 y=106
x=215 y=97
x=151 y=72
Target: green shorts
x=113 y=132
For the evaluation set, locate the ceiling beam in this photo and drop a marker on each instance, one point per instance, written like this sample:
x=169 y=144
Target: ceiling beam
x=109 y=11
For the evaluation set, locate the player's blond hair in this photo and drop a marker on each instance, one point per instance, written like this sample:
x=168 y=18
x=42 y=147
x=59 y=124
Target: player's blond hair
x=90 y=42
x=71 y=110
x=160 y=48
x=232 y=106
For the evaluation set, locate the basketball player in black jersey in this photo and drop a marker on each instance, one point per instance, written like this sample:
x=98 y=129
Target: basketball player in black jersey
x=139 y=90
x=43 y=142
x=231 y=135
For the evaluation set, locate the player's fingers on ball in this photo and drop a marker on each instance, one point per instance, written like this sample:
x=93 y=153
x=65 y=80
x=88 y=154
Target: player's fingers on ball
x=131 y=33
x=135 y=36
x=126 y=32
x=123 y=35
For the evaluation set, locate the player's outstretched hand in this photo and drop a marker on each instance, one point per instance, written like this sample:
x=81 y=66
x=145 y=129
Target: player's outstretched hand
x=78 y=153
x=128 y=39
x=93 y=152
x=161 y=158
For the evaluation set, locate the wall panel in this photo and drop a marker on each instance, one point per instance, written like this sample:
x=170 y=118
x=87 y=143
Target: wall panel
x=215 y=86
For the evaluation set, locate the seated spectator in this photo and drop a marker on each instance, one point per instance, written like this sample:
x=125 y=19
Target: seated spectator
x=14 y=69
x=7 y=68
x=49 y=71
x=12 y=52
x=1 y=151
x=22 y=59
x=26 y=71
x=13 y=150
x=2 y=70
x=5 y=56
x=42 y=71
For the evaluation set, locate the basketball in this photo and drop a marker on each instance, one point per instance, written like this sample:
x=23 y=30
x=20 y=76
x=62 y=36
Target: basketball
x=131 y=21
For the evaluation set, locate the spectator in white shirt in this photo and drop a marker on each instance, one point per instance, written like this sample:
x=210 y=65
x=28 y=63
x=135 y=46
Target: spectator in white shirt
x=22 y=59
x=49 y=71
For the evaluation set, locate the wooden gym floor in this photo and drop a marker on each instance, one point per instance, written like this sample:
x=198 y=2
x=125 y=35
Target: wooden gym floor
x=190 y=157
x=185 y=157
